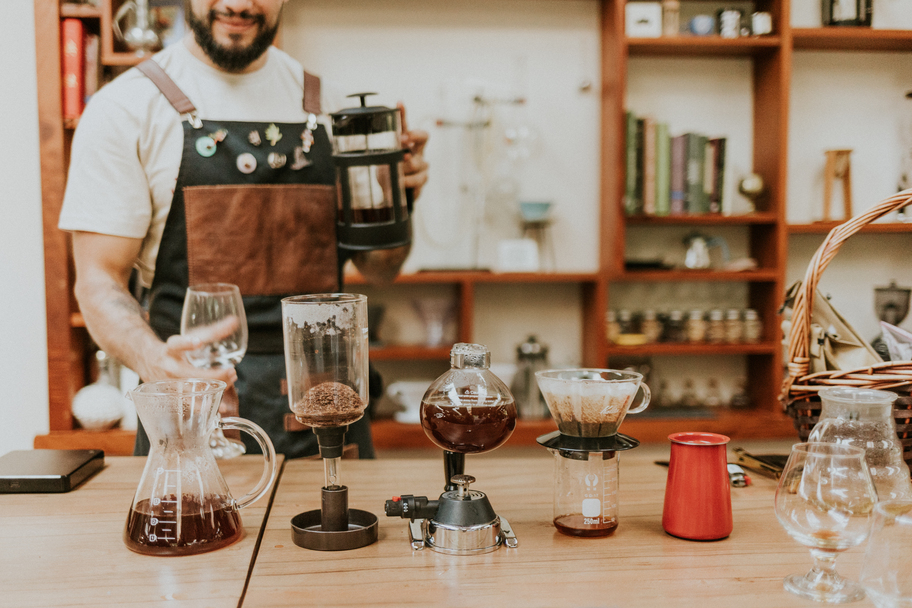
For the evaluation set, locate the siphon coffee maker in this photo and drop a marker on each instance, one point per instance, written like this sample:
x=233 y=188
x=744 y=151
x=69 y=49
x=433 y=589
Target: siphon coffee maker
x=374 y=205
x=467 y=410
x=326 y=351
x=589 y=406
x=182 y=505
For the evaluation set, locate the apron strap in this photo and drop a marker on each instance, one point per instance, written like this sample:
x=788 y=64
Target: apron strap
x=169 y=89
x=311 y=94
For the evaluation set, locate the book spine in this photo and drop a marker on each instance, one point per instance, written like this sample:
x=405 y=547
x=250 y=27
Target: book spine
x=72 y=67
x=678 y=170
x=693 y=188
x=649 y=166
x=709 y=171
x=715 y=201
x=630 y=164
x=92 y=69
x=663 y=170
x=638 y=195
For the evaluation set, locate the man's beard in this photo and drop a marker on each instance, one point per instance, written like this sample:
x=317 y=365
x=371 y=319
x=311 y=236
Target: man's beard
x=228 y=58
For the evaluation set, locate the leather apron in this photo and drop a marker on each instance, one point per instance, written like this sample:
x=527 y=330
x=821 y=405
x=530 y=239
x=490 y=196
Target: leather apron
x=238 y=218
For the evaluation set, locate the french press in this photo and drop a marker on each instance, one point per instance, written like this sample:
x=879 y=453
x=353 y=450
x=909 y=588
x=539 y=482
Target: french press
x=373 y=207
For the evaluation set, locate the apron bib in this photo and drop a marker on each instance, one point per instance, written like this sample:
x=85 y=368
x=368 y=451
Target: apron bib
x=254 y=205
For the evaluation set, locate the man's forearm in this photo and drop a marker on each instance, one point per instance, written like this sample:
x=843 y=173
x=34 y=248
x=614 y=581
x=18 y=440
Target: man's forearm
x=117 y=322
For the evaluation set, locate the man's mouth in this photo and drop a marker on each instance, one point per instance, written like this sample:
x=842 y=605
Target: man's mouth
x=236 y=22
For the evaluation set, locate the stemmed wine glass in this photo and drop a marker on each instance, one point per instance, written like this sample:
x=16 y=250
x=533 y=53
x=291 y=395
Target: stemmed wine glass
x=824 y=501
x=205 y=306
x=886 y=575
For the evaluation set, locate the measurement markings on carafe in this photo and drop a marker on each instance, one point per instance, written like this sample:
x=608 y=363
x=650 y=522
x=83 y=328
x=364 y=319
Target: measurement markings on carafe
x=165 y=508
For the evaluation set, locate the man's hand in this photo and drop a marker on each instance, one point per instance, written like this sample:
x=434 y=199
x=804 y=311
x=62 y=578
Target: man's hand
x=414 y=166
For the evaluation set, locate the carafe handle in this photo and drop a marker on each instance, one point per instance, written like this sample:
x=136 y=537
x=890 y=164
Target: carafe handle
x=647 y=395
x=269 y=456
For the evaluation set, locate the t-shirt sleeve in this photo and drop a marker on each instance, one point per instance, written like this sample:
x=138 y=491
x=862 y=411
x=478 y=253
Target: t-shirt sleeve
x=107 y=189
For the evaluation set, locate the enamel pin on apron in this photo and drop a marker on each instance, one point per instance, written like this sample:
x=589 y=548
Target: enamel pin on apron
x=307 y=135
x=300 y=161
x=205 y=145
x=246 y=163
x=254 y=138
x=276 y=160
x=273 y=134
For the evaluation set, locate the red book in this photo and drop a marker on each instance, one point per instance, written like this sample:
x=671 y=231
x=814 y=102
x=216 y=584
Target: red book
x=73 y=66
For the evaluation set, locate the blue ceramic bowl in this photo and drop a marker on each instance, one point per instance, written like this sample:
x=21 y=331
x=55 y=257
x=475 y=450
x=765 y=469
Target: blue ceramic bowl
x=534 y=211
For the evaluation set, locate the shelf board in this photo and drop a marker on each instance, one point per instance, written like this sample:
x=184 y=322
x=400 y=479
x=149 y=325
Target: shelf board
x=80 y=11
x=668 y=348
x=648 y=276
x=702 y=220
x=702 y=45
x=409 y=352
x=123 y=59
x=116 y=442
x=825 y=227
x=481 y=276
x=653 y=428
x=851 y=39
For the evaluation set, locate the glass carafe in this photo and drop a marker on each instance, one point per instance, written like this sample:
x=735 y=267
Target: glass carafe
x=182 y=505
x=864 y=418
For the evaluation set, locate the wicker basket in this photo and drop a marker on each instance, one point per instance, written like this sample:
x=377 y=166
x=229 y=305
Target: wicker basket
x=799 y=391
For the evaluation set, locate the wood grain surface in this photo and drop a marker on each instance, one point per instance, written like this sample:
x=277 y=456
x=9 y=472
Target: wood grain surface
x=639 y=566
x=67 y=549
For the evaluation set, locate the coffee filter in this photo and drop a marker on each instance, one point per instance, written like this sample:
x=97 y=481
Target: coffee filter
x=587 y=407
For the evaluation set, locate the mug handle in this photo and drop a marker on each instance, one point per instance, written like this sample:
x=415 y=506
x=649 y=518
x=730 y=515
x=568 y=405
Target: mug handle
x=269 y=456
x=644 y=400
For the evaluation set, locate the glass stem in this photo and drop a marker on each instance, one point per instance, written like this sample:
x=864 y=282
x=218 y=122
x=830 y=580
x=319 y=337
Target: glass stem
x=824 y=569
x=331 y=472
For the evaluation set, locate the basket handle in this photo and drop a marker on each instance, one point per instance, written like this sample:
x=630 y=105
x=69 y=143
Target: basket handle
x=799 y=334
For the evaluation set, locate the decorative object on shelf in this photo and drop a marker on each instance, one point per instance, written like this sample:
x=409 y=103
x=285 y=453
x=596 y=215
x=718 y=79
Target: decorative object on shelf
x=407 y=395
x=753 y=327
x=671 y=17
x=838 y=166
x=675 y=330
x=643 y=19
x=536 y=225
x=138 y=33
x=517 y=255
x=729 y=20
x=799 y=391
x=702 y=25
x=531 y=357
x=753 y=189
x=846 y=12
x=436 y=314
x=761 y=23
x=695 y=327
x=651 y=326
x=101 y=405
x=734 y=326
x=698 y=248
x=715 y=329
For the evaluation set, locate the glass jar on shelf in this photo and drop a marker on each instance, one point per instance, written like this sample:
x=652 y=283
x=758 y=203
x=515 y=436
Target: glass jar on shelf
x=650 y=326
x=734 y=327
x=625 y=321
x=696 y=327
x=674 y=330
x=753 y=327
x=612 y=327
x=715 y=330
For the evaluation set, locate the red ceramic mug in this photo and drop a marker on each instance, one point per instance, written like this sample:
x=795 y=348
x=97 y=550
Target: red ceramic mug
x=698 y=494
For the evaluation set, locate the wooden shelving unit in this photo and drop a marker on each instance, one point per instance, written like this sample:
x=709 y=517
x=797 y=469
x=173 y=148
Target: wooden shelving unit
x=766 y=231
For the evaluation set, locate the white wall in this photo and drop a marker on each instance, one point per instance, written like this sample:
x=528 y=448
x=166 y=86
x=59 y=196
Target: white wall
x=23 y=344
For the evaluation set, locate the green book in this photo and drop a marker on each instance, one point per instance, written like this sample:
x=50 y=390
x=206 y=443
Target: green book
x=695 y=200
x=662 y=170
x=630 y=151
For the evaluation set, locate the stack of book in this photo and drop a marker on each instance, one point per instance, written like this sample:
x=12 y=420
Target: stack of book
x=671 y=175
x=80 y=63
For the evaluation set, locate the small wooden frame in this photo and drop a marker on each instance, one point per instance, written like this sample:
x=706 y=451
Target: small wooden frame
x=838 y=166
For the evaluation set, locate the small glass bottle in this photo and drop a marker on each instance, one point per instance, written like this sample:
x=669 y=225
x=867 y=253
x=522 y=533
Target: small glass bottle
x=696 y=327
x=734 y=327
x=715 y=332
x=713 y=394
x=689 y=395
x=671 y=17
x=612 y=327
x=753 y=327
x=674 y=328
x=650 y=326
x=625 y=321
x=740 y=400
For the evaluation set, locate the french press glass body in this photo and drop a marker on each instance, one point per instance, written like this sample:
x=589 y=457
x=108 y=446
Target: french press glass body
x=373 y=205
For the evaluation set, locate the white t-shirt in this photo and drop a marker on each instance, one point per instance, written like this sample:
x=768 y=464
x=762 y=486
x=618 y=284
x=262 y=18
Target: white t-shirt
x=127 y=148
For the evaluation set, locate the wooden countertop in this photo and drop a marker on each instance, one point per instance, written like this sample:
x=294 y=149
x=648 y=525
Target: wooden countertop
x=67 y=549
x=639 y=565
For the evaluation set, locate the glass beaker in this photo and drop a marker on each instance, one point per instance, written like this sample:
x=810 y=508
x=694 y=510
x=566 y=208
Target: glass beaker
x=182 y=505
x=864 y=418
x=585 y=492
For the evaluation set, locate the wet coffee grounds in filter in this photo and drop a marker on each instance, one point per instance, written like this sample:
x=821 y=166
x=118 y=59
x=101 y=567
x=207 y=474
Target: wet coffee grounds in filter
x=329 y=404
